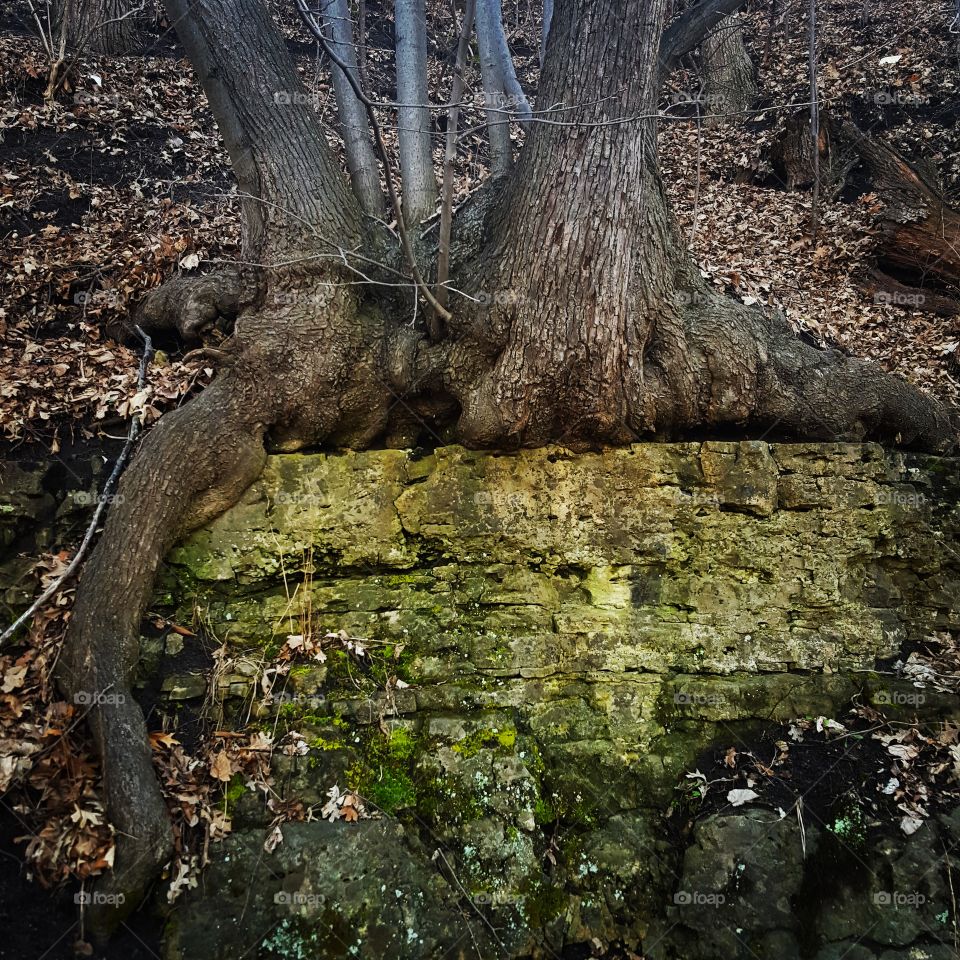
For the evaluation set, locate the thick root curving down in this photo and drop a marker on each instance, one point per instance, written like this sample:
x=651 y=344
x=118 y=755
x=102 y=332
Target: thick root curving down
x=194 y=464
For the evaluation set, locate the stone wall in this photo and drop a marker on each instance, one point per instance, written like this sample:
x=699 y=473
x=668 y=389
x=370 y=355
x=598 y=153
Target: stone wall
x=550 y=643
x=570 y=633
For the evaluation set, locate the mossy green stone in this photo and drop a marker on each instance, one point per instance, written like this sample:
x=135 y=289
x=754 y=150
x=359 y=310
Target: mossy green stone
x=571 y=633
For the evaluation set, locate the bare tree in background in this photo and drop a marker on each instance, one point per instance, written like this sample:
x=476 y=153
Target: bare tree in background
x=730 y=86
x=69 y=29
x=545 y=28
x=102 y=26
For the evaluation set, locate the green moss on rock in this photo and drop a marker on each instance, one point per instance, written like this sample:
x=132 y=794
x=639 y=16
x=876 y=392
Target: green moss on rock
x=569 y=632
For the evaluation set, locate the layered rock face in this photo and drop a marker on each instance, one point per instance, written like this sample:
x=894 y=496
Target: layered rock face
x=570 y=634
x=549 y=643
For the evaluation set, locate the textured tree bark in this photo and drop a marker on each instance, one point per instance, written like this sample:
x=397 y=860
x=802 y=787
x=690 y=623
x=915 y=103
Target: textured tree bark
x=729 y=84
x=496 y=102
x=204 y=456
x=578 y=247
x=792 y=155
x=101 y=26
x=416 y=155
x=192 y=305
x=596 y=326
x=304 y=367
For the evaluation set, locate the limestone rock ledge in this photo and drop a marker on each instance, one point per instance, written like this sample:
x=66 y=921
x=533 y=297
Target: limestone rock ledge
x=717 y=558
x=571 y=633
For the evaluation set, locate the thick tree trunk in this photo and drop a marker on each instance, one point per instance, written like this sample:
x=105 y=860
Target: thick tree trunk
x=598 y=329
x=416 y=155
x=101 y=26
x=578 y=261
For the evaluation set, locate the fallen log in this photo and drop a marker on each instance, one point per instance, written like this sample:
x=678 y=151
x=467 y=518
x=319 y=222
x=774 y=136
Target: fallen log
x=918 y=243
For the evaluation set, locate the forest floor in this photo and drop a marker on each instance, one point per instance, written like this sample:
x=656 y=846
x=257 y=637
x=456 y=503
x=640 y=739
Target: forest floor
x=123 y=180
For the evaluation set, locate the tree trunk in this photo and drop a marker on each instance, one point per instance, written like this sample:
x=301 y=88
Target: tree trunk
x=920 y=245
x=920 y=237
x=416 y=155
x=792 y=155
x=597 y=328
x=730 y=88
x=358 y=146
x=496 y=103
x=545 y=29
x=490 y=24
x=450 y=154
x=101 y=26
x=688 y=30
x=580 y=245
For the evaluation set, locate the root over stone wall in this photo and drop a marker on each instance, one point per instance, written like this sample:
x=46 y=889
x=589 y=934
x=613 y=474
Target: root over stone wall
x=570 y=633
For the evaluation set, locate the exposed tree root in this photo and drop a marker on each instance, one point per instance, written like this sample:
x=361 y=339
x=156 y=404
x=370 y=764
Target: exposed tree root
x=291 y=376
x=191 y=305
x=713 y=366
x=194 y=464
x=758 y=369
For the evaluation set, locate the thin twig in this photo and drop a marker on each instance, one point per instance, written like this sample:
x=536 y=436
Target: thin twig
x=47 y=43
x=814 y=121
x=696 y=193
x=469 y=899
x=953 y=900
x=132 y=434
x=453 y=118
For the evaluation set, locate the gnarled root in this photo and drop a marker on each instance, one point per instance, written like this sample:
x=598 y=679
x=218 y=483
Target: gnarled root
x=291 y=374
x=754 y=370
x=195 y=463
x=192 y=305
x=716 y=364
x=305 y=380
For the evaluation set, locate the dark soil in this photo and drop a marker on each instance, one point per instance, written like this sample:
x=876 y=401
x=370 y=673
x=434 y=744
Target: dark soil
x=40 y=924
x=827 y=772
